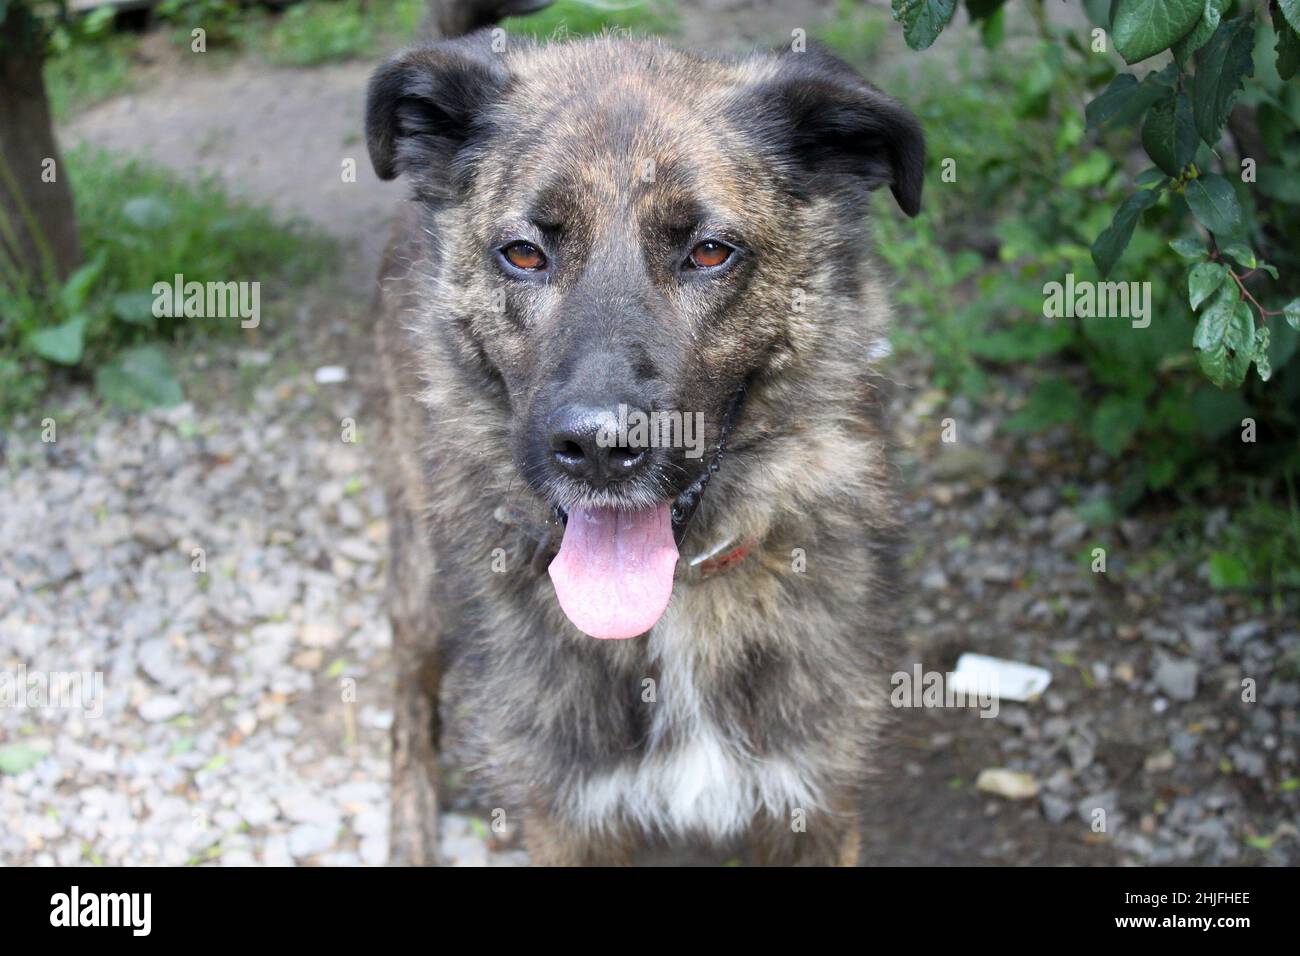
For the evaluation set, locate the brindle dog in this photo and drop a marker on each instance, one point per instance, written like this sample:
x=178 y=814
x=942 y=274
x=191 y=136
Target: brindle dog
x=601 y=228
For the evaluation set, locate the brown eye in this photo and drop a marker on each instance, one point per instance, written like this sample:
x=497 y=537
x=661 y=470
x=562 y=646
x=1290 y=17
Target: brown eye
x=524 y=255
x=709 y=254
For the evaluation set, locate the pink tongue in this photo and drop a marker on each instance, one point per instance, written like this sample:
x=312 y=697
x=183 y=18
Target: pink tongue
x=614 y=572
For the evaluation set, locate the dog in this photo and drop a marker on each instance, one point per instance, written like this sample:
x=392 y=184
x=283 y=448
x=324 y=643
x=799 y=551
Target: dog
x=639 y=640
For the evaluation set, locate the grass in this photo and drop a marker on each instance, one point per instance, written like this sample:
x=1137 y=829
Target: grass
x=154 y=224
x=140 y=225
x=327 y=31
x=857 y=32
x=587 y=17
x=88 y=73
x=1260 y=547
x=1249 y=547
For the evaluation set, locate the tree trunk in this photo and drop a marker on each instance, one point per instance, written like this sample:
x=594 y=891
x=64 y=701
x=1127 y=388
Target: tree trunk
x=38 y=229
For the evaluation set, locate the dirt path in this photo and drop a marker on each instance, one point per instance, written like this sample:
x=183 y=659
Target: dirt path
x=280 y=136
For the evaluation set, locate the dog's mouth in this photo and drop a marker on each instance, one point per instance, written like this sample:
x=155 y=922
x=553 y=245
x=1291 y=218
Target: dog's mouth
x=613 y=575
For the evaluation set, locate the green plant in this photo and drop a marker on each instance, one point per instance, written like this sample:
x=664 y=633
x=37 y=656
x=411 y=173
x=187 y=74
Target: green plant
x=218 y=19
x=585 y=17
x=305 y=34
x=856 y=34
x=86 y=61
x=140 y=226
x=1019 y=187
x=311 y=33
x=1183 y=114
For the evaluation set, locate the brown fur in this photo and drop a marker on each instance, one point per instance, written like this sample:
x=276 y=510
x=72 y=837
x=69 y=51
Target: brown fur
x=792 y=665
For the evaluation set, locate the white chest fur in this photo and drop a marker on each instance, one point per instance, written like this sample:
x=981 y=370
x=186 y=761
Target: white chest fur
x=695 y=776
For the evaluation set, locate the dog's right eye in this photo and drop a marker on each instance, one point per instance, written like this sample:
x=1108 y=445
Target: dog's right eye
x=524 y=255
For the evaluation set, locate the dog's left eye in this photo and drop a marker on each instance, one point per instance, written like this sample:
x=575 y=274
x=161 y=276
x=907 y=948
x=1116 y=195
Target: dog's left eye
x=709 y=254
x=524 y=255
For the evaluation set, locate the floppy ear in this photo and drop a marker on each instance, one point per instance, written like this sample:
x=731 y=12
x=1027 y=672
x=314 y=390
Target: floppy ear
x=425 y=105
x=833 y=121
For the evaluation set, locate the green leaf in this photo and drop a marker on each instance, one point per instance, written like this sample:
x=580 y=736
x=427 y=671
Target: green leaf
x=1221 y=69
x=1169 y=134
x=138 y=378
x=1210 y=336
x=15 y=758
x=1291 y=11
x=63 y=343
x=1150 y=178
x=1107 y=104
x=1203 y=281
x=1111 y=243
x=1262 y=341
x=1228 y=571
x=1204 y=29
x=1115 y=422
x=1288 y=44
x=1125 y=99
x=1092 y=170
x=1214 y=204
x=1291 y=312
x=147 y=212
x=923 y=20
x=993 y=30
x=1189 y=248
x=1143 y=28
x=1239 y=251
x=135 y=308
x=76 y=290
x=1240 y=340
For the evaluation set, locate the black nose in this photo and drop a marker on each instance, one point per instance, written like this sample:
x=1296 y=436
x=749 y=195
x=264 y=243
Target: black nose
x=587 y=443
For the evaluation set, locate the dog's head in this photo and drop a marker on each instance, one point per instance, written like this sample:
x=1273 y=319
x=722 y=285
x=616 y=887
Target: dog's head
x=638 y=234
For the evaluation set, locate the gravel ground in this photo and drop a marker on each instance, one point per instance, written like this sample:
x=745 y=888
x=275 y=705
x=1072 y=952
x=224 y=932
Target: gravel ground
x=245 y=705
x=222 y=568
x=245 y=709
x=1147 y=716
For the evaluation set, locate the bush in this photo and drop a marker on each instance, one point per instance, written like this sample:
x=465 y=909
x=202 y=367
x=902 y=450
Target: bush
x=1030 y=184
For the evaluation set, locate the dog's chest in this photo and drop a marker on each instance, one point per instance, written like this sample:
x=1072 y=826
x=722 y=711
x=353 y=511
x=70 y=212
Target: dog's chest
x=698 y=772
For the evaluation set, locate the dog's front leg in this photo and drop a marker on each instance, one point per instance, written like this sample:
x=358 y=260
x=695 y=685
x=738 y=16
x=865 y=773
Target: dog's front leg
x=551 y=842
x=823 y=839
x=413 y=830
x=413 y=823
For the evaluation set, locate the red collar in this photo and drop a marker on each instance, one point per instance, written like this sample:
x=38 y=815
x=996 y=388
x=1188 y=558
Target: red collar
x=721 y=558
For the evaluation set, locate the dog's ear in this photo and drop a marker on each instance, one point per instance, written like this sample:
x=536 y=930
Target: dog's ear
x=425 y=105
x=831 y=121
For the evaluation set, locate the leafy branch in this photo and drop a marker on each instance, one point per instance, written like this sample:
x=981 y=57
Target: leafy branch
x=1183 y=109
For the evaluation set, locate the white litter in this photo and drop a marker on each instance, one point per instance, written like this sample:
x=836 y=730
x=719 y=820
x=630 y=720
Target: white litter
x=1007 y=680
x=1007 y=783
x=331 y=374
